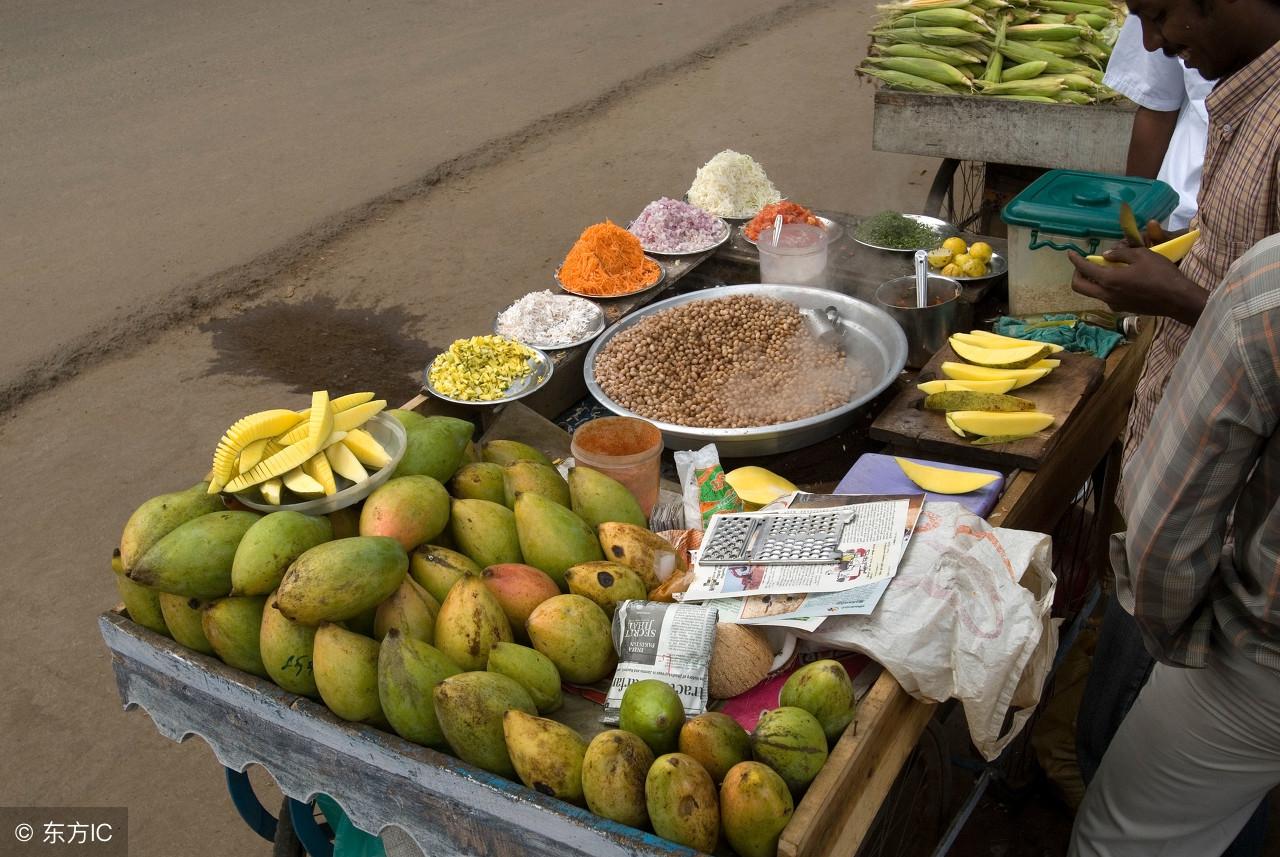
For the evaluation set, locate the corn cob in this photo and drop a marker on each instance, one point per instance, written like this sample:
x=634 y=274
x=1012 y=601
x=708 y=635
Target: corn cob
x=1045 y=32
x=971 y=71
x=1021 y=52
x=1024 y=71
x=1046 y=86
x=909 y=82
x=1097 y=22
x=988 y=5
x=917 y=5
x=995 y=63
x=950 y=36
x=942 y=53
x=1040 y=99
x=1069 y=7
x=1080 y=83
x=1070 y=96
x=933 y=70
x=961 y=18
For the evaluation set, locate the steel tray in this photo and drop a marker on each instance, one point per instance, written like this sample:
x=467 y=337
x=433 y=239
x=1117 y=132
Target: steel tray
x=871 y=336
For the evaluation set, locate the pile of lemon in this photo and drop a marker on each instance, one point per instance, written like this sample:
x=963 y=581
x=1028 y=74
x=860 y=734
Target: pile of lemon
x=958 y=259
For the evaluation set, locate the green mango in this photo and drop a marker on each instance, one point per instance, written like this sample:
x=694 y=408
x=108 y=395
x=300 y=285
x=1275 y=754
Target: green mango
x=184 y=618
x=233 y=626
x=437 y=569
x=411 y=610
x=755 y=806
x=823 y=689
x=547 y=755
x=682 y=802
x=791 y=741
x=599 y=499
x=195 y=559
x=431 y=449
x=520 y=477
x=270 y=546
x=485 y=532
x=470 y=707
x=342 y=579
x=161 y=515
x=606 y=583
x=408 y=671
x=532 y=669
x=574 y=634
x=470 y=621
x=142 y=604
x=716 y=741
x=552 y=537
x=652 y=709
x=481 y=480
x=613 y=776
x=345 y=666
x=287 y=650
x=506 y=452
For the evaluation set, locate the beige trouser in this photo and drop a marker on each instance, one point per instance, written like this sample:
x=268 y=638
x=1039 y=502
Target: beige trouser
x=1195 y=755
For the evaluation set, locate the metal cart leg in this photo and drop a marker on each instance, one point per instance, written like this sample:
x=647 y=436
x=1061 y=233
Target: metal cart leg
x=247 y=804
x=941 y=184
x=314 y=837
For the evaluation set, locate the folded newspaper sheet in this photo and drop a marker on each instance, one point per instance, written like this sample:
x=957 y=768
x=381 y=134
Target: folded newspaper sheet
x=890 y=518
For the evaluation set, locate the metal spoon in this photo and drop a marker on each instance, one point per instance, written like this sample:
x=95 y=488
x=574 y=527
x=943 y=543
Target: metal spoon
x=922 y=279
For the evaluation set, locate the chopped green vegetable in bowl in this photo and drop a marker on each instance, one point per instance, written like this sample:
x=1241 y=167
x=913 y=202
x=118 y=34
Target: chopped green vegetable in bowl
x=897 y=232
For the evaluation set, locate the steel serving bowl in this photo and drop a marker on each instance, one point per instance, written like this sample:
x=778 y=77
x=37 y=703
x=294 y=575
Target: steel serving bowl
x=871 y=337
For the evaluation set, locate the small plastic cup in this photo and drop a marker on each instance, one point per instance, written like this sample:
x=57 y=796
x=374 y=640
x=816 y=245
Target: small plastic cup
x=800 y=259
x=626 y=449
x=927 y=328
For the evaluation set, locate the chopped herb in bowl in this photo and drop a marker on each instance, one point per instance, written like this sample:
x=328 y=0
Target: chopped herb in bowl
x=897 y=232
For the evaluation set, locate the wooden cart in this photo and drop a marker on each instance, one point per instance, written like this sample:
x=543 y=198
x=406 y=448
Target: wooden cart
x=450 y=808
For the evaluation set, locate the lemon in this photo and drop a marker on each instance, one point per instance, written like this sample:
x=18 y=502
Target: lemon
x=955 y=244
x=980 y=250
x=940 y=257
x=974 y=268
x=960 y=260
x=952 y=270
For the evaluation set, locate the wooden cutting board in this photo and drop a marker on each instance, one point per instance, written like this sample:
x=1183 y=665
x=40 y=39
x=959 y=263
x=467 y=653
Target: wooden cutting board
x=906 y=423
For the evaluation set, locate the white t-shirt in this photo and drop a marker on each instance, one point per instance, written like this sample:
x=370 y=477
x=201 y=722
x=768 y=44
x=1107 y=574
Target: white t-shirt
x=1157 y=82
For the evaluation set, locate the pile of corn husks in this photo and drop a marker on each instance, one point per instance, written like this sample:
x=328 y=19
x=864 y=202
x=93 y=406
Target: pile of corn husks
x=1050 y=51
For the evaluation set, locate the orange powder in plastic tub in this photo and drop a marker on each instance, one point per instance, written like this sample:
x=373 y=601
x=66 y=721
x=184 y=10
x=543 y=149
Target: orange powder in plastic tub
x=607 y=260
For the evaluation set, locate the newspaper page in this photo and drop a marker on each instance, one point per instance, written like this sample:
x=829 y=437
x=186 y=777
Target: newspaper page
x=871 y=545
x=670 y=642
x=807 y=610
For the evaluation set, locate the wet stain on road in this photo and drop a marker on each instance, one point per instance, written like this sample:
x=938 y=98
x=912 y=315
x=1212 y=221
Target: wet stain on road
x=315 y=344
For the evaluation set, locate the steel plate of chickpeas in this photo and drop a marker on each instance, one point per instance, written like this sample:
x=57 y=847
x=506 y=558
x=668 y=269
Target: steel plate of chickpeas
x=741 y=367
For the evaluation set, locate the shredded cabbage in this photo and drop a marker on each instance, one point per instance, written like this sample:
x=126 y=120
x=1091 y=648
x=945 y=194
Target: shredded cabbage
x=732 y=185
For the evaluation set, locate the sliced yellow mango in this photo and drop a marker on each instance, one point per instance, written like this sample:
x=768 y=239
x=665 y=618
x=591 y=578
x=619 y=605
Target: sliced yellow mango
x=965 y=400
x=317 y=467
x=288 y=459
x=320 y=421
x=344 y=462
x=342 y=403
x=940 y=480
x=301 y=484
x=987 y=339
x=757 y=485
x=252 y=454
x=1173 y=249
x=271 y=491
x=990 y=423
x=343 y=420
x=955 y=428
x=969 y=372
x=1000 y=358
x=366 y=450
x=243 y=432
x=1001 y=386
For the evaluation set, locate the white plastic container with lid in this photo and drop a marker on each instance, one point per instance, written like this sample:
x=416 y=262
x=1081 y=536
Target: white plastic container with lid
x=1070 y=210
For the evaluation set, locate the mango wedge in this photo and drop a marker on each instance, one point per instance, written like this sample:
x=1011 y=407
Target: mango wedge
x=1173 y=249
x=987 y=339
x=931 y=387
x=955 y=428
x=939 y=480
x=317 y=467
x=757 y=485
x=1000 y=358
x=344 y=420
x=342 y=403
x=344 y=463
x=367 y=450
x=271 y=490
x=989 y=423
x=301 y=484
x=963 y=400
x=244 y=431
x=252 y=454
x=969 y=372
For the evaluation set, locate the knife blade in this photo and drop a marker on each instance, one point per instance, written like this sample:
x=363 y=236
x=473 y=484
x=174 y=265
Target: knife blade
x=1129 y=226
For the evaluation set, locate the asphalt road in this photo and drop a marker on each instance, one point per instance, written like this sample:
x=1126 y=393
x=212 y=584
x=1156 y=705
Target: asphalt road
x=239 y=146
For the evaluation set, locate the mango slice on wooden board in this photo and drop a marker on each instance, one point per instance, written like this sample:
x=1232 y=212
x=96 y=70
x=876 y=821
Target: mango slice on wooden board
x=757 y=485
x=989 y=423
x=994 y=439
x=962 y=400
x=931 y=387
x=955 y=428
x=987 y=339
x=969 y=372
x=1000 y=358
x=940 y=480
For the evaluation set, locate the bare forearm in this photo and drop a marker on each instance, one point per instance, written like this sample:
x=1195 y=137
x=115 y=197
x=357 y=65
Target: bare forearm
x=1149 y=140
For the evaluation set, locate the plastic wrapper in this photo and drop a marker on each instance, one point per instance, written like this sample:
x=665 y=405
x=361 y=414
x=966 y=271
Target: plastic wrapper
x=668 y=642
x=704 y=487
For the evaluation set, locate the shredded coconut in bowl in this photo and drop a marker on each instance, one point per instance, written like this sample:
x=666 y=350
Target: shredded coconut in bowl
x=671 y=226
x=547 y=319
x=732 y=185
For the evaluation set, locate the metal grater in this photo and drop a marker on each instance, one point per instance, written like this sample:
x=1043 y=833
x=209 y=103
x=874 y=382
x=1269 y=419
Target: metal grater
x=775 y=538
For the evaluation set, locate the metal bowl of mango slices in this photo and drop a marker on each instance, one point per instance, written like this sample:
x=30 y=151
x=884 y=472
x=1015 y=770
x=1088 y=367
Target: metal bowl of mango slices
x=359 y=455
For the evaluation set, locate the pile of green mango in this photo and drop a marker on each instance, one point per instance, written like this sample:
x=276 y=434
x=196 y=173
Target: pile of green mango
x=449 y=607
